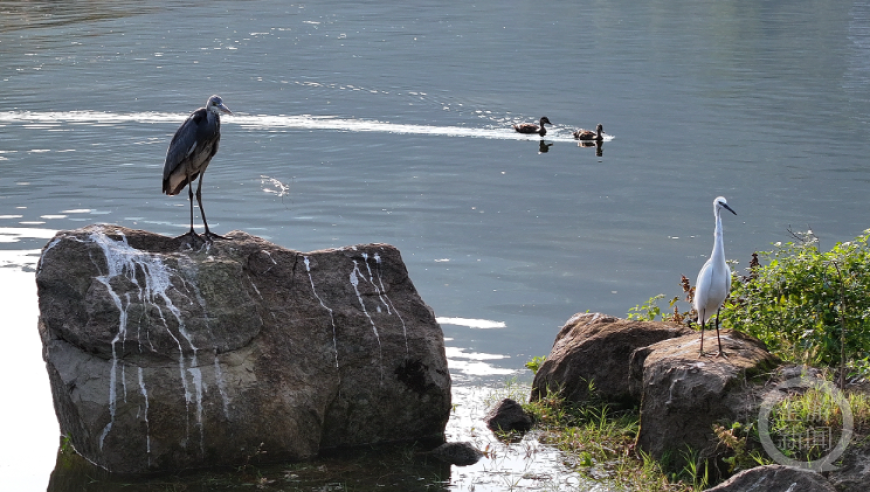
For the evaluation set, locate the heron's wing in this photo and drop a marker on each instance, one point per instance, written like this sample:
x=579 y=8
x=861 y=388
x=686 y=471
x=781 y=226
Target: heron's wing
x=183 y=143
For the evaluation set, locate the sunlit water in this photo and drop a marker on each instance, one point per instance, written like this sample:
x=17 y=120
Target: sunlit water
x=359 y=122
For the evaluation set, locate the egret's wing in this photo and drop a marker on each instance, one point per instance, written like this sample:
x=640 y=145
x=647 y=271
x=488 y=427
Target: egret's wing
x=727 y=280
x=702 y=286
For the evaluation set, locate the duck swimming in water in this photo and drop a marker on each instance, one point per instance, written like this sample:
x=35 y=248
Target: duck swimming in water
x=582 y=134
x=533 y=128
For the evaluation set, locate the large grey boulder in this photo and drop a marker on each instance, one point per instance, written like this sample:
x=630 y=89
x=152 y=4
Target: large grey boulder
x=684 y=394
x=593 y=349
x=163 y=357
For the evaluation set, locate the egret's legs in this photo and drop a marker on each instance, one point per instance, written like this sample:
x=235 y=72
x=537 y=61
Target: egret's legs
x=720 y=353
x=701 y=316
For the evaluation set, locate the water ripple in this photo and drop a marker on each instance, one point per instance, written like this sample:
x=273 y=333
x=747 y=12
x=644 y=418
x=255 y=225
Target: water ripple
x=280 y=122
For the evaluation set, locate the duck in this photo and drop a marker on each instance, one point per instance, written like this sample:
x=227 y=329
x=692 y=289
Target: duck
x=582 y=134
x=533 y=128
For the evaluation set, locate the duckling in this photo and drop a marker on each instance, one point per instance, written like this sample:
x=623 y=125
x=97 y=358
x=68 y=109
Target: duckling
x=533 y=128
x=582 y=134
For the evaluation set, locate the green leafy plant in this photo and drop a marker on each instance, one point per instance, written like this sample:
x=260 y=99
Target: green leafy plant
x=694 y=464
x=808 y=306
x=536 y=363
x=743 y=446
x=647 y=311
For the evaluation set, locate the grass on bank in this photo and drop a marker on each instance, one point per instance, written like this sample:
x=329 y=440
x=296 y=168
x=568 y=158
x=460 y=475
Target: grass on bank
x=601 y=441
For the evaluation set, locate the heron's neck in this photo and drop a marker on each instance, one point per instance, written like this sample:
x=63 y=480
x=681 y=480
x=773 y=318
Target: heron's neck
x=214 y=117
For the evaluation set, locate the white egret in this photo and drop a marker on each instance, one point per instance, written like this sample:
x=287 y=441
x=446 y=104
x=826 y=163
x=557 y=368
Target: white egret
x=714 y=279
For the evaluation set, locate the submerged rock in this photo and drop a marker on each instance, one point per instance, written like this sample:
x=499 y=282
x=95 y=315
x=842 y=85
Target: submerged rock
x=593 y=350
x=456 y=453
x=163 y=358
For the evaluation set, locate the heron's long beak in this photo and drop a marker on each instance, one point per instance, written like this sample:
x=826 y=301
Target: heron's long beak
x=225 y=109
x=729 y=208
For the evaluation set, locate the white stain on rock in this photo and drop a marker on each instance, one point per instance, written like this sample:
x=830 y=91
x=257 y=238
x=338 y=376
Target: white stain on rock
x=124 y=261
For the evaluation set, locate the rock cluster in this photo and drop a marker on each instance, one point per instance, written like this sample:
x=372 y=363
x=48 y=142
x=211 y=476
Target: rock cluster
x=657 y=366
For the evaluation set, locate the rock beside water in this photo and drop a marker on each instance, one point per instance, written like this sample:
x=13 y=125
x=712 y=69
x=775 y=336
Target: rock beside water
x=456 y=453
x=508 y=416
x=683 y=394
x=164 y=358
x=592 y=350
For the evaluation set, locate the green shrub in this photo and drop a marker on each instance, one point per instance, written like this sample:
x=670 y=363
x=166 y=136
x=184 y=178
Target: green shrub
x=808 y=306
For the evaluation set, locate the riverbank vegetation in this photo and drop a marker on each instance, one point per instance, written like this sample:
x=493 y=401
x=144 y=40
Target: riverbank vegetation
x=600 y=441
x=810 y=307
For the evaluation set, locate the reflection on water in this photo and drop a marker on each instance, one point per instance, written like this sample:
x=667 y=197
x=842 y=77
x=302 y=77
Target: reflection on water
x=49 y=14
x=599 y=146
x=28 y=425
x=520 y=464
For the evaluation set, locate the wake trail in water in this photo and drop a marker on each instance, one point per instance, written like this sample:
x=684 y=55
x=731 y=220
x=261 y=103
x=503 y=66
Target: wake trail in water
x=265 y=122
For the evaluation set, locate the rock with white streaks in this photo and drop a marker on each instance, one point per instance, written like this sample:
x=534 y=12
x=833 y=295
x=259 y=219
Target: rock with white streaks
x=164 y=358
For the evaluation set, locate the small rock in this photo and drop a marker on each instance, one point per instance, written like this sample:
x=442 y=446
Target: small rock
x=775 y=478
x=507 y=416
x=457 y=453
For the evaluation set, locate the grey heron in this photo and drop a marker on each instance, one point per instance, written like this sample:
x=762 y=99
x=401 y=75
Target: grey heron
x=533 y=128
x=714 y=279
x=192 y=148
x=582 y=134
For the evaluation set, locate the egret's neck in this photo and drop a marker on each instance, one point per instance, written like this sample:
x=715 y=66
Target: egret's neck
x=718 y=247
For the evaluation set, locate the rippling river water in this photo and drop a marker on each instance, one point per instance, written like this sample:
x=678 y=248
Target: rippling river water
x=379 y=122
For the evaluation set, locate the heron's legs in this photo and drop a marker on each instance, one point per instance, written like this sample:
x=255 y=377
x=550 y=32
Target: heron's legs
x=208 y=235
x=191 y=233
x=190 y=199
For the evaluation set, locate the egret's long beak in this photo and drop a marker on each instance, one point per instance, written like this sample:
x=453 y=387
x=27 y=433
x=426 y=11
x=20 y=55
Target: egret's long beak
x=224 y=108
x=729 y=208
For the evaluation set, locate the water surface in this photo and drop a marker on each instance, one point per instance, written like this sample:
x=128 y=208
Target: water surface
x=364 y=122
